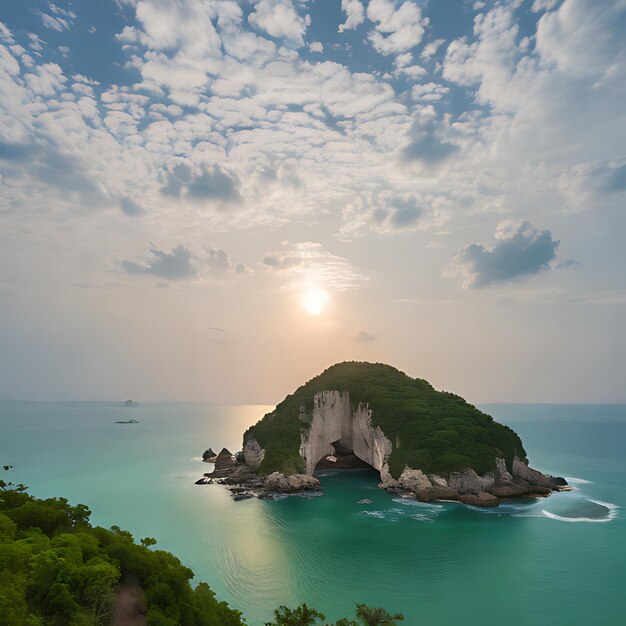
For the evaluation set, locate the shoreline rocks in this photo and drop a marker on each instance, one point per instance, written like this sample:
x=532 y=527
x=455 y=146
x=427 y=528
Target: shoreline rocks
x=467 y=487
x=239 y=473
x=470 y=488
x=242 y=480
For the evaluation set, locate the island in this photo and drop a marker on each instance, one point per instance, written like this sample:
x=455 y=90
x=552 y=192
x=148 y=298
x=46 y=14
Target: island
x=429 y=444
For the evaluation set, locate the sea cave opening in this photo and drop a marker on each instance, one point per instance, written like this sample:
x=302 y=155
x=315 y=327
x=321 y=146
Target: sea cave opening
x=342 y=457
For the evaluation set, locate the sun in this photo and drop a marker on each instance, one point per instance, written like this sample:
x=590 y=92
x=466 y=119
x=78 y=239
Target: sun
x=314 y=300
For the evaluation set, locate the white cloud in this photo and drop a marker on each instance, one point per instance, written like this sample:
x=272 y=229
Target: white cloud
x=46 y=79
x=279 y=19
x=5 y=34
x=571 y=86
x=53 y=23
x=430 y=49
x=316 y=46
x=307 y=264
x=57 y=10
x=388 y=212
x=36 y=43
x=428 y=92
x=583 y=40
x=543 y=5
x=399 y=26
x=355 y=14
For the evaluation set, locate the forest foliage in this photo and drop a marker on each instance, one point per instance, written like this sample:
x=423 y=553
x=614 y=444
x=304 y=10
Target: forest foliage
x=58 y=569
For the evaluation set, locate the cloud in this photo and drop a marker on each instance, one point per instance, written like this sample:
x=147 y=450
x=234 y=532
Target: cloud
x=426 y=147
x=520 y=251
x=363 y=337
x=388 y=211
x=174 y=265
x=399 y=27
x=316 y=46
x=57 y=22
x=403 y=66
x=569 y=264
x=306 y=264
x=543 y=5
x=5 y=34
x=588 y=183
x=279 y=19
x=568 y=80
x=430 y=49
x=608 y=177
x=57 y=10
x=396 y=212
x=217 y=261
x=130 y=207
x=428 y=92
x=204 y=183
x=355 y=14
x=46 y=80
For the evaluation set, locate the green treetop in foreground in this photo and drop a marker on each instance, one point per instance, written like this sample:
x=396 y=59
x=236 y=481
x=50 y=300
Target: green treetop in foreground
x=56 y=569
x=435 y=431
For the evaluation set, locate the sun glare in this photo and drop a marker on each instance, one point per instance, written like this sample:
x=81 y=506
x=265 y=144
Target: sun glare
x=314 y=300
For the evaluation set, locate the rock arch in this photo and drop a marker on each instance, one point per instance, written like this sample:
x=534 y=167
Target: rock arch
x=334 y=419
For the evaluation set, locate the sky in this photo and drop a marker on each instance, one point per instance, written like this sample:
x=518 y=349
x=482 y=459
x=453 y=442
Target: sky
x=216 y=200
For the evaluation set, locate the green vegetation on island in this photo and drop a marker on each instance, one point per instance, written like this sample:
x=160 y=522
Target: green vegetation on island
x=435 y=431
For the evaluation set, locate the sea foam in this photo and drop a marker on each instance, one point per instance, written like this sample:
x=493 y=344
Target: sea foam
x=611 y=515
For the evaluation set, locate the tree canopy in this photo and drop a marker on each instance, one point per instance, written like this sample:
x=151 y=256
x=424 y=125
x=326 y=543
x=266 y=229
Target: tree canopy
x=58 y=569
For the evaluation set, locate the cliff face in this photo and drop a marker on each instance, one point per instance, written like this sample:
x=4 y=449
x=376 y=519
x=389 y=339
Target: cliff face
x=334 y=419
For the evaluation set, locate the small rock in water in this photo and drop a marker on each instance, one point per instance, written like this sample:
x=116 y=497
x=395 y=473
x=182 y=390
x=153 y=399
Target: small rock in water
x=209 y=456
x=224 y=459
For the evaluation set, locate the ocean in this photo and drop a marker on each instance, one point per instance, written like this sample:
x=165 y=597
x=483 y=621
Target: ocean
x=555 y=561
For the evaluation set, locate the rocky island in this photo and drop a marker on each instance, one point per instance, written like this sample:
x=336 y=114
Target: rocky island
x=429 y=444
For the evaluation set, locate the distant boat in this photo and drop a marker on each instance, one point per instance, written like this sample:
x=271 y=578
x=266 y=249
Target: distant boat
x=127 y=422
x=130 y=403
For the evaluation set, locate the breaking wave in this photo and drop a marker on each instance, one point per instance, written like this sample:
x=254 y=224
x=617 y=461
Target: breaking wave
x=610 y=514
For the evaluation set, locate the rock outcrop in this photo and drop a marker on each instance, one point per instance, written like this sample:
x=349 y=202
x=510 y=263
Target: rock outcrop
x=243 y=482
x=253 y=454
x=209 y=456
x=224 y=460
x=290 y=484
x=470 y=488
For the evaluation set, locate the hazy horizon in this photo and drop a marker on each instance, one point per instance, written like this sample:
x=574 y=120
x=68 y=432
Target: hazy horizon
x=211 y=200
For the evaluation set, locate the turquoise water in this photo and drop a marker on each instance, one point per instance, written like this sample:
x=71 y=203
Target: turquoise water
x=556 y=561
